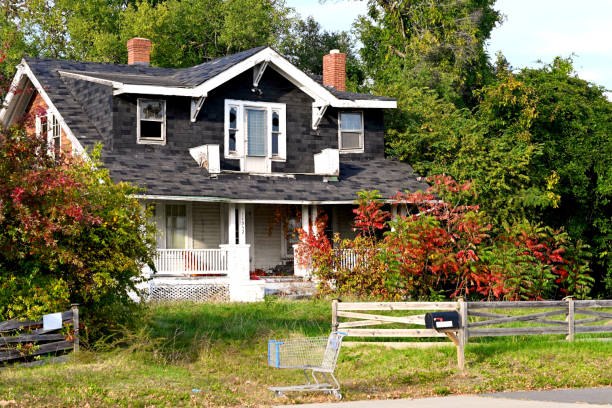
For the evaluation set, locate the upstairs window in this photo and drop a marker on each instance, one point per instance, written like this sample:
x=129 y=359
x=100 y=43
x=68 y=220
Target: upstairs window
x=48 y=126
x=350 y=132
x=232 y=129
x=151 y=121
x=54 y=133
x=276 y=133
x=255 y=129
x=41 y=125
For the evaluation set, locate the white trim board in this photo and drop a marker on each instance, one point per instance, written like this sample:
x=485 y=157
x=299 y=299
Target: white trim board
x=77 y=148
x=237 y=200
x=316 y=91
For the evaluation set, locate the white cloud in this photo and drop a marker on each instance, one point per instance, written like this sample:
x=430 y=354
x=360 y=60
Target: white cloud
x=543 y=29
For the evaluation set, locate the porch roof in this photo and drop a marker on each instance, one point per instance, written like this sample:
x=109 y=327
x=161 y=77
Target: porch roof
x=181 y=177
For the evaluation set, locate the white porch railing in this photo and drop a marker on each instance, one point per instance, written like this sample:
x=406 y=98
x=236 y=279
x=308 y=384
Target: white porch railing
x=187 y=262
x=345 y=258
x=349 y=258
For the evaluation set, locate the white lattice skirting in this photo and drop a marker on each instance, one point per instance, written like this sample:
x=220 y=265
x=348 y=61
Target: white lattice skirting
x=190 y=292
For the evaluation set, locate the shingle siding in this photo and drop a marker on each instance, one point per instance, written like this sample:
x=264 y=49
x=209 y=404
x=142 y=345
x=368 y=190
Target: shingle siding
x=97 y=102
x=302 y=141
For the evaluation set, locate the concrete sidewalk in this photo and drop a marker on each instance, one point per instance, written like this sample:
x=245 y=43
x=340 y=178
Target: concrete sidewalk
x=571 y=398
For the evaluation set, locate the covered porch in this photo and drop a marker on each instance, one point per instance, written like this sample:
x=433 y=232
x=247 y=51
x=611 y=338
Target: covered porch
x=231 y=243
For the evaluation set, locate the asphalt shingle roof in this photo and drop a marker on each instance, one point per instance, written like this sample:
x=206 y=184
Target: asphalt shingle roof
x=181 y=176
x=172 y=77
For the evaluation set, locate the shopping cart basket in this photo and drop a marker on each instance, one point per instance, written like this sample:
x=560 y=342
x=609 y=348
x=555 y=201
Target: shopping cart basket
x=315 y=354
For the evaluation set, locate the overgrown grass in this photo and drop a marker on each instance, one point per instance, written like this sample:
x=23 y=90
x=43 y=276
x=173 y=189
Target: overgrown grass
x=220 y=350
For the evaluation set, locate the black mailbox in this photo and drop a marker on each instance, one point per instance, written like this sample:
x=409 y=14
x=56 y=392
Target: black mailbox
x=442 y=320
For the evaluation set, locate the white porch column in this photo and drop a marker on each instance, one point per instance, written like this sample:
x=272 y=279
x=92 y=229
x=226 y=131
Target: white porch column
x=231 y=224
x=305 y=221
x=242 y=289
x=393 y=214
x=314 y=211
x=242 y=224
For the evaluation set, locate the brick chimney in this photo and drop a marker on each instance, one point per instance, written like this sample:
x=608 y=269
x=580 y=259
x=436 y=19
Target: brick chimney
x=139 y=51
x=334 y=70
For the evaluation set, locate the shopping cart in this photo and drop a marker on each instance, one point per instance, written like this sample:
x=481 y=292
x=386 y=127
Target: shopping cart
x=315 y=354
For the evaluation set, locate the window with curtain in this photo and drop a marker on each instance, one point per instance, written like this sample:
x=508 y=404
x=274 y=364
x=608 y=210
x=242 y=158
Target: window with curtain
x=176 y=226
x=255 y=129
x=256 y=132
x=351 y=132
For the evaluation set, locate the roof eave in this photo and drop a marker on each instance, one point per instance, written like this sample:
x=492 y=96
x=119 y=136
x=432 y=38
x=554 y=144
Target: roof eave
x=316 y=91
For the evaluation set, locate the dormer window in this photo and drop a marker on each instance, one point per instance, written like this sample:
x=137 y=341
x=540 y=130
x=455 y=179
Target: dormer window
x=276 y=133
x=350 y=132
x=151 y=121
x=255 y=133
x=232 y=129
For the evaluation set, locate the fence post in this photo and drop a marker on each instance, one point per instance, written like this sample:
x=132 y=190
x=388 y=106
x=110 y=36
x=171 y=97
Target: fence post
x=75 y=323
x=570 y=319
x=335 y=315
x=463 y=333
x=463 y=313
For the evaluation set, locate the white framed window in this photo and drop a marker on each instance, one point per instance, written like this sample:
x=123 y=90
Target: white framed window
x=49 y=126
x=54 y=133
x=176 y=226
x=255 y=129
x=151 y=121
x=350 y=132
x=41 y=125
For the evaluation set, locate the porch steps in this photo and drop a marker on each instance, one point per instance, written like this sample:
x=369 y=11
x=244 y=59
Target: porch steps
x=289 y=287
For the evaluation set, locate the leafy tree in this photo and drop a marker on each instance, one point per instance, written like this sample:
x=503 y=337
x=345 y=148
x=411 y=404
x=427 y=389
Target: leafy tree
x=536 y=147
x=433 y=44
x=307 y=43
x=67 y=234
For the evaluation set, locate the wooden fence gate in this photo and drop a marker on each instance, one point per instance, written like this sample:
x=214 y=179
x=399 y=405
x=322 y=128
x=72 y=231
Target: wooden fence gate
x=476 y=319
x=352 y=310
x=24 y=340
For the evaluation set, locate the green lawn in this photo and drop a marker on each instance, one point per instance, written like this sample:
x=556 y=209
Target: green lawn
x=220 y=350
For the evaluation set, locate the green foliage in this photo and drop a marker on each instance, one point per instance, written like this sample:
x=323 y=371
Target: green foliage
x=307 y=43
x=536 y=147
x=445 y=249
x=437 y=45
x=68 y=234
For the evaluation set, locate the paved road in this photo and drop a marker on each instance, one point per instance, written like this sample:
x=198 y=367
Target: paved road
x=574 y=398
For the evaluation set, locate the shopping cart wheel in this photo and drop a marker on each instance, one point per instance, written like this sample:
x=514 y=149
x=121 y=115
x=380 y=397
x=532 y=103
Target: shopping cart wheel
x=337 y=395
x=278 y=393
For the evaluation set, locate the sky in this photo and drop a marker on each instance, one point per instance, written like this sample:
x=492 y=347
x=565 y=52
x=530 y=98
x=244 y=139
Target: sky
x=532 y=30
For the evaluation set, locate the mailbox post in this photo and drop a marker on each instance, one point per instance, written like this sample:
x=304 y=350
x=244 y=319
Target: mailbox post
x=449 y=323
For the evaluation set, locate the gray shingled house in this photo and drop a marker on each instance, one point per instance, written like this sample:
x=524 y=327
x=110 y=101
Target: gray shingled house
x=235 y=153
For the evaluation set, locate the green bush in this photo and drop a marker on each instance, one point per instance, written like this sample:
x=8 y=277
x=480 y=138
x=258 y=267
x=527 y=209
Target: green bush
x=68 y=234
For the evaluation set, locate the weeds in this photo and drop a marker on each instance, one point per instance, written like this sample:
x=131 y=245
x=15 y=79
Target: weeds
x=220 y=349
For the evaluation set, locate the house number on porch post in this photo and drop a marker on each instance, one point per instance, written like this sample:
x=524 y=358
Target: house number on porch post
x=241 y=224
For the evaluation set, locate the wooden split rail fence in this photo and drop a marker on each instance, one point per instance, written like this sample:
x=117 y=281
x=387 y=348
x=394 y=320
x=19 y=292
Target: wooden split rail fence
x=21 y=341
x=476 y=319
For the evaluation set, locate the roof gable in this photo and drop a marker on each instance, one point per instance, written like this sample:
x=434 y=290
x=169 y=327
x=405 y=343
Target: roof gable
x=197 y=81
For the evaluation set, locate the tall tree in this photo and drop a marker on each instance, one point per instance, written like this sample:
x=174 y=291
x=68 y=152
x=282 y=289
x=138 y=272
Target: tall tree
x=307 y=43
x=437 y=44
